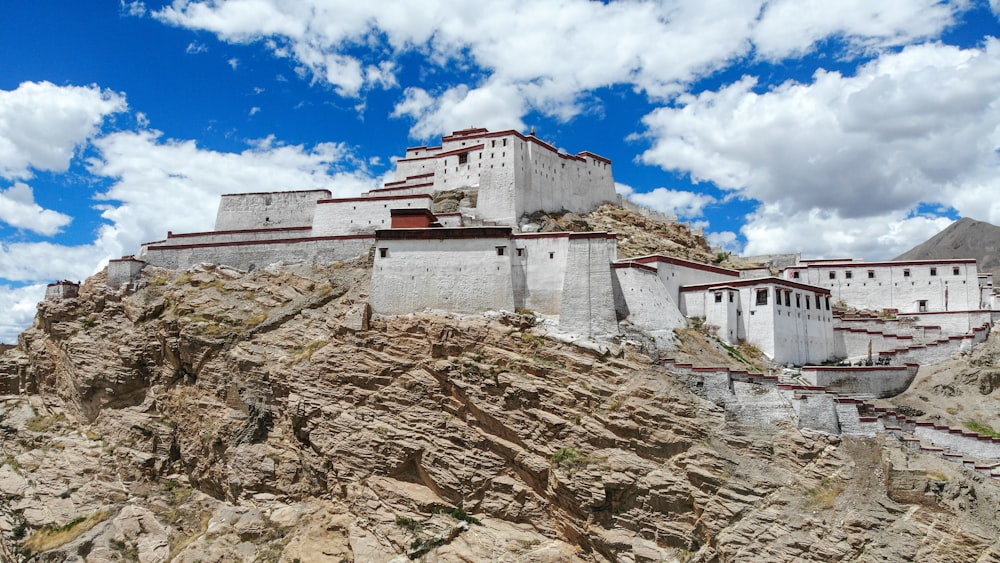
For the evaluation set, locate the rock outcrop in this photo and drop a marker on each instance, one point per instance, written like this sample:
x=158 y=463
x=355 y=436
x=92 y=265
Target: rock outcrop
x=216 y=415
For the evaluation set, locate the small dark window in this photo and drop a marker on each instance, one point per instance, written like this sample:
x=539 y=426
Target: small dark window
x=906 y=273
x=730 y=296
x=833 y=275
x=922 y=305
x=807 y=301
x=552 y=255
x=933 y=271
x=817 y=303
x=828 y=303
x=383 y=253
x=954 y=271
x=762 y=297
x=463 y=158
x=871 y=274
x=788 y=299
x=795 y=275
x=501 y=250
x=848 y=275
x=520 y=252
x=798 y=300
x=718 y=297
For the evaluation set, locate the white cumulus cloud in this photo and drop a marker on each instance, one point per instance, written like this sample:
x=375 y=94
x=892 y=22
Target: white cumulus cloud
x=921 y=126
x=18 y=209
x=546 y=55
x=42 y=125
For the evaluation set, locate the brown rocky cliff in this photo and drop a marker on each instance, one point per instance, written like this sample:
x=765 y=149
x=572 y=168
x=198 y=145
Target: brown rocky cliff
x=221 y=416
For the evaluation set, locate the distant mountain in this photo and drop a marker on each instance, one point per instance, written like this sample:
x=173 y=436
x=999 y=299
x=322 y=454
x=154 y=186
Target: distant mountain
x=965 y=238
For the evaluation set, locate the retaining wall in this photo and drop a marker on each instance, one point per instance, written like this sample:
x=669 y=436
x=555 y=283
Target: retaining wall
x=247 y=255
x=267 y=209
x=879 y=381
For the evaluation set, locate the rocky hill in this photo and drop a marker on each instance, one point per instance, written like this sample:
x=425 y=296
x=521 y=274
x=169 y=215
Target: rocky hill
x=965 y=238
x=216 y=415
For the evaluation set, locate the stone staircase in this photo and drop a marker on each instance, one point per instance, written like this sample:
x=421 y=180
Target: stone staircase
x=854 y=415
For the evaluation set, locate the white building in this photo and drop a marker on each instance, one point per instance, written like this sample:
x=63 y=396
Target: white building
x=789 y=322
x=516 y=174
x=903 y=286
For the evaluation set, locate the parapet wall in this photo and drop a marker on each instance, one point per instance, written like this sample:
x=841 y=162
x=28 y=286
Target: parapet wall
x=247 y=255
x=641 y=299
x=351 y=216
x=878 y=381
x=267 y=210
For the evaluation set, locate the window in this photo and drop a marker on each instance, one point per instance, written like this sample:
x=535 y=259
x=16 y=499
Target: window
x=906 y=273
x=788 y=299
x=501 y=250
x=798 y=300
x=833 y=275
x=922 y=305
x=817 y=303
x=795 y=275
x=463 y=158
x=955 y=271
x=718 y=297
x=933 y=271
x=848 y=275
x=383 y=253
x=871 y=274
x=552 y=255
x=762 y=297
x=520 y=252
x=731 y=296
x=827 y=302
x=807 y=301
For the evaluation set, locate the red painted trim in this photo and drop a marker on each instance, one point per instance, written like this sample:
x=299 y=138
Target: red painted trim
x=171 y=235
x=686 y=264
x=624 y=265
x=328 y=192
x=376 y=198
x=855 y=368
x=261 y=242
x=443 y=154
x=754 y=282
x=129 y=259
x=398 y=188
x=485 y=134
x=437 y=233
x=566 y=234
x=408 y=178
x=887 y=264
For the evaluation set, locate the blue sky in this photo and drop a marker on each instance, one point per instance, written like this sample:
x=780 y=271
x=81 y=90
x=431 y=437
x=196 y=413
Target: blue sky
x=850 y=128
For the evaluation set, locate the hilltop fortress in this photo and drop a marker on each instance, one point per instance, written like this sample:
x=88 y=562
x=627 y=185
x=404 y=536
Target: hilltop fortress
x=485 y=257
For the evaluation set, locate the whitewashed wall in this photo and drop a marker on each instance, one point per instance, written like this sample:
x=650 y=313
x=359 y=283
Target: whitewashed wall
x=463 y=275
x=257 y=254
x=676 y=273
x=539 y=271
x=515 y=174
x=896 y=285
x=588 y=305
x=124 y=271
x=362 y=215
x=267 y=210
x=641 y=299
